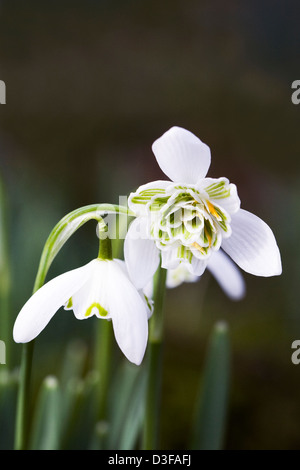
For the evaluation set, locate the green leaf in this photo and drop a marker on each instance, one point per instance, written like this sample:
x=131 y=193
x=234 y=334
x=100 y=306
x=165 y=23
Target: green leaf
x=99 y=437
x=80 y=399
x=47 y=419
x=135 y=414
x=73 y=363
x=126 y=407
x=212 y=402
x=8 y=397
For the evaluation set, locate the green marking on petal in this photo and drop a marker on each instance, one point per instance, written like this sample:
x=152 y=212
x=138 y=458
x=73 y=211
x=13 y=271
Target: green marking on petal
x=158 y=202
x=140 y=200
x=218 y=190
x=70 y=303
x=185 y=188
x=153 y=191
x=184 y=253
x=146 y=195
x=101 y=310
x=149 y=304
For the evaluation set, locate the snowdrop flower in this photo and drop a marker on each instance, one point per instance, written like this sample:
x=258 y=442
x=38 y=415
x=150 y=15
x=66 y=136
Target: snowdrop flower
x=102 y=288
x=223 y=270
x=191 y=217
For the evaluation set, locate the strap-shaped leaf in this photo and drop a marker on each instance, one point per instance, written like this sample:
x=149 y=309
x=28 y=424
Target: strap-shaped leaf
x=212 y=402
x=46 y=427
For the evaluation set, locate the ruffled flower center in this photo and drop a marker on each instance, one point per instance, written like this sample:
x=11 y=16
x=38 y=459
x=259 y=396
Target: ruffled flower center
x=186 y=217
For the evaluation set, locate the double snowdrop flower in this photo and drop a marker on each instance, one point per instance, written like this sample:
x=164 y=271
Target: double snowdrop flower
x=189 y=218
x=102 y=288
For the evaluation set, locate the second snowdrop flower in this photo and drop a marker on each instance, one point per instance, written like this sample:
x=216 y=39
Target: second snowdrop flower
x=102 y=288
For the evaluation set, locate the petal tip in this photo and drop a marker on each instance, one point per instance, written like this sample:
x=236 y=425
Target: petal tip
x=181 y=155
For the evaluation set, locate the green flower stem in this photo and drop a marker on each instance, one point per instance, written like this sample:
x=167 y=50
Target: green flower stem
x=103 y=341
x=5 y=274
x=56 y=240
x=68 y=226
x=105 y=249
x=155 y=351
x=23 y=394
x=103 y=366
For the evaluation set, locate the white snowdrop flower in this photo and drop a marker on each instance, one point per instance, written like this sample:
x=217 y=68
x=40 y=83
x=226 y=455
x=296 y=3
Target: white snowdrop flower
x=189 y=218
x=102 y=288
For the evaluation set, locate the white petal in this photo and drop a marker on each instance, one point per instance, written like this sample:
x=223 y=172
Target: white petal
x=141 y=254
x=225 y=195
x=177 y=276
x=146 y=293
x=148 y=289
x=197 y=266
x=129 y=315
x=227 y=275
x=182 y=156
x=169 y=258
x=40 y=308
x=138 y=200
x=252 y=245
x=92 y=299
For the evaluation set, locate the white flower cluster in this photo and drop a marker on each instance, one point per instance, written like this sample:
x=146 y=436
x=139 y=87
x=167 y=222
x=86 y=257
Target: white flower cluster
x=190 y=222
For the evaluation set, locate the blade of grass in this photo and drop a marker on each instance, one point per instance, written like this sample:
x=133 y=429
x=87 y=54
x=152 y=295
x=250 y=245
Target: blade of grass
x=121 y=393
x=135 y=414
x=8 y=397
x=46 y=426
x=212 y=401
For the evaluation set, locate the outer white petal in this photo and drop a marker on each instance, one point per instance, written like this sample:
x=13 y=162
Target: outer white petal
x=141 y=254
x=252 y=245
x=128 y=313
x=148 y=289
x=146 y=293
x=182 y=156
x=40 y=308
x=227 y=275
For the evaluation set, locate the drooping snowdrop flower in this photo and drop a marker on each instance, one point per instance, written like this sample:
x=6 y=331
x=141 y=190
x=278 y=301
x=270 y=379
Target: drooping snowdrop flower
x=102 y=288
x=191 y=217
x=222 y=269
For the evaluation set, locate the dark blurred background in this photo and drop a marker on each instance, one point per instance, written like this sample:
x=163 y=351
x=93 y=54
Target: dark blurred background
x=90 y=85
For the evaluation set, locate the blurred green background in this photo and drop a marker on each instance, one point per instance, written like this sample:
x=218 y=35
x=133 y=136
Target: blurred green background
x=90 y=85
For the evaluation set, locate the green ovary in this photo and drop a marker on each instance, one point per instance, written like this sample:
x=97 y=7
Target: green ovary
x=101 y=310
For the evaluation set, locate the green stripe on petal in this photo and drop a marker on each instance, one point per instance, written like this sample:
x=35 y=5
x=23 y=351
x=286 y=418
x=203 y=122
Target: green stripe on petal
x=145 y=196
x=184 y=253
x=218 y=190
x=101 y=311
x=69 y=304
